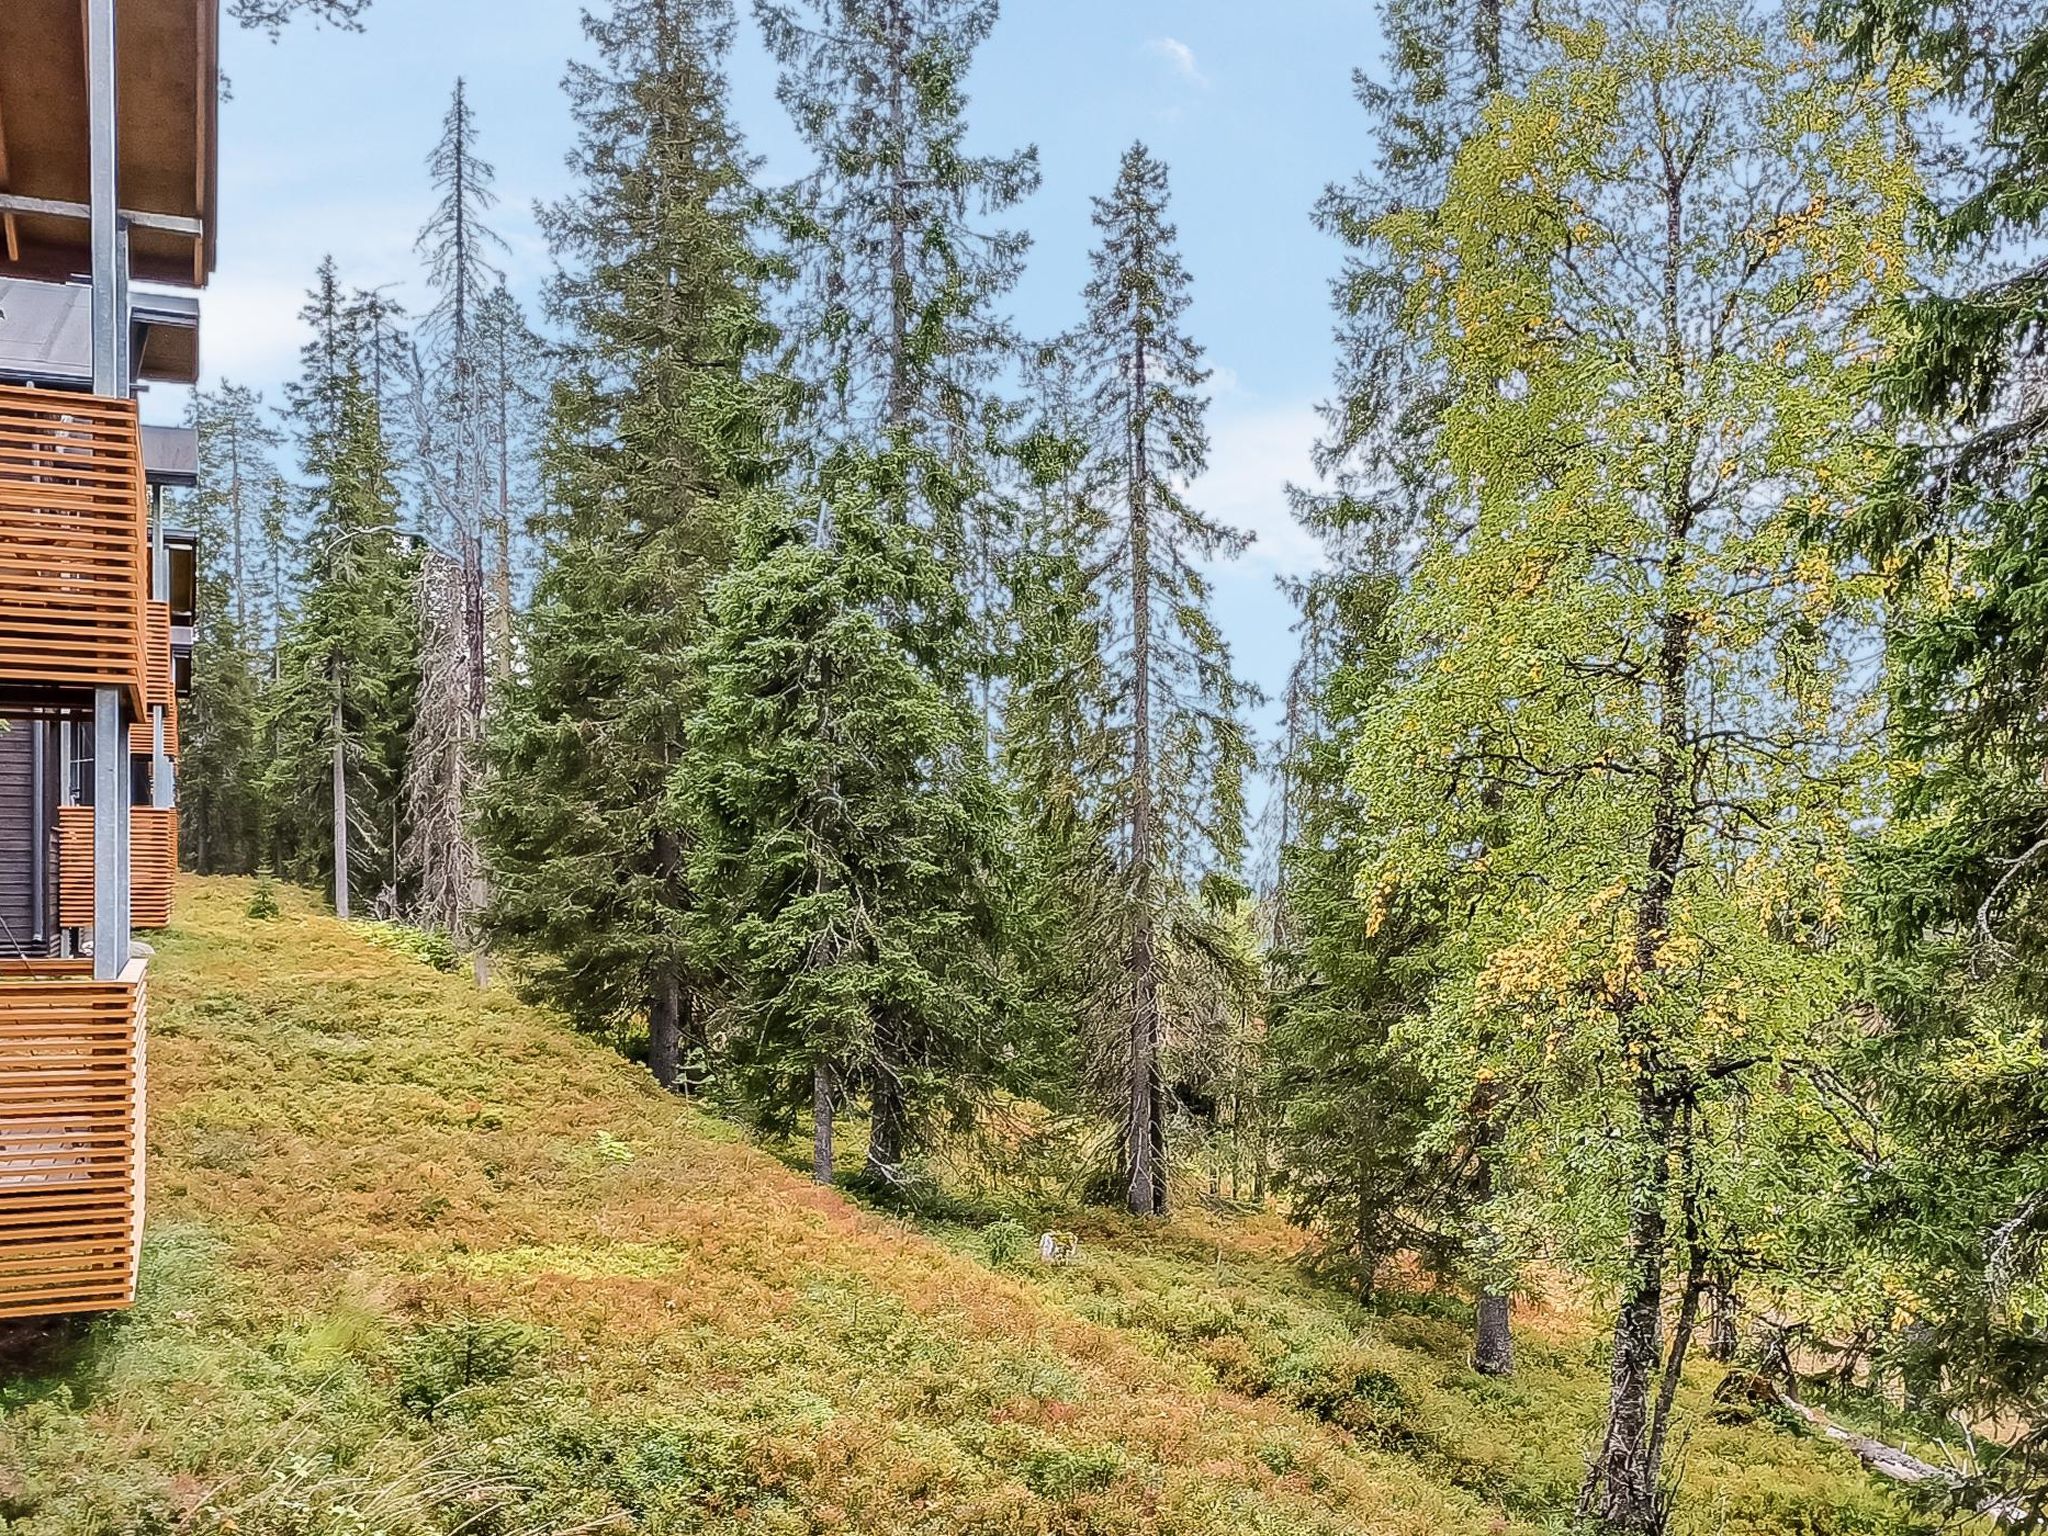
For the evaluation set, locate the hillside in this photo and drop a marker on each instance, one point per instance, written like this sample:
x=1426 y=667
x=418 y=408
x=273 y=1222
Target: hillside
x=421 y=1260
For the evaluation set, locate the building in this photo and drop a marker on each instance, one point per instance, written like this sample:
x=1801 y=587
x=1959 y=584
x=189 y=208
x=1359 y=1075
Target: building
x=107 y=174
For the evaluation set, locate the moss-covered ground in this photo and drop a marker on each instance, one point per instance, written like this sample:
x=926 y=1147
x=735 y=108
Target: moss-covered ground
x=421 y=1259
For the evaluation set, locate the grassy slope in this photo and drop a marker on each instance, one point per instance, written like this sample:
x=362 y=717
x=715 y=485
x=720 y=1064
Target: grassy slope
x=421 y=1260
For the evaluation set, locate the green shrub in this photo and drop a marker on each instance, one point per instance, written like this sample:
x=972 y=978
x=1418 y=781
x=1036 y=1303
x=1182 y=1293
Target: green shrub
x=443 y=1360
x=429 y=946
x=263 y=900
x=1005 y=1242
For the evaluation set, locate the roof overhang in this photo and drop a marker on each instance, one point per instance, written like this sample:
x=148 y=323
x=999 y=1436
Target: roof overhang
x=170 y=456
x=46 y=334
x=167 y=96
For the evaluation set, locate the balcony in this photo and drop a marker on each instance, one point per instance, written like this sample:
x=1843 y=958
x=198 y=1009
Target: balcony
x=152 y=864
x=71 y=1145
x=74 y=553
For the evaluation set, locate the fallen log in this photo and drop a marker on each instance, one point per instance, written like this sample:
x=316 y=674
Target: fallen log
x=1888 y=1461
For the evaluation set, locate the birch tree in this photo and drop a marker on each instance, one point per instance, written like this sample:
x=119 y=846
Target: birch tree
x=1627 y=733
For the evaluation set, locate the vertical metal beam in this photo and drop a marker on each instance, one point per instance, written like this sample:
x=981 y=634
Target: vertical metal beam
x=124 y=311
x=108 y=291
x=109 y=348
x=110 y=905
x=162 y=784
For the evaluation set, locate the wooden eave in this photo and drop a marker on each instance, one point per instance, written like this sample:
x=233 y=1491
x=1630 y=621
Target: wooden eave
x=168 y=70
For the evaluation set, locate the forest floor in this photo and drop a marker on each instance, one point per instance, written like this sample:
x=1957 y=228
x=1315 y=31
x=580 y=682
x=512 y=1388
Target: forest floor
x=421 y=1259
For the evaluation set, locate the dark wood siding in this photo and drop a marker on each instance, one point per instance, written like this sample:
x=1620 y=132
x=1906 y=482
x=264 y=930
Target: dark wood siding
x=17 y=839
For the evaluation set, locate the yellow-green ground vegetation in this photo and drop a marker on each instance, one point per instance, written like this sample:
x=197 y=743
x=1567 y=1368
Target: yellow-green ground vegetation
x=424 y=1260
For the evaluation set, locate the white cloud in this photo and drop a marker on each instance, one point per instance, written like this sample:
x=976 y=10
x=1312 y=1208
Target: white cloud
x=1255 y=452
x=1181 y=57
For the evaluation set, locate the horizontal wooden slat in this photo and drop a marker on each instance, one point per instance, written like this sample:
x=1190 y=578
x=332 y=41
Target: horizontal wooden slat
x=152 y=865
x=71 y=1124
x=74 y=558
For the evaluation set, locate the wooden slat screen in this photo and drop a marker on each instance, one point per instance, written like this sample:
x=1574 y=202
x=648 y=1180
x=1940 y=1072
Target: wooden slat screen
x=159 y=686
x=152 y=865
x=73 y=543
x=72 y=1077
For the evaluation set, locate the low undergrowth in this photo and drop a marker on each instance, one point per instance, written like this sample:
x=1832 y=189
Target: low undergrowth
x=421 y=1261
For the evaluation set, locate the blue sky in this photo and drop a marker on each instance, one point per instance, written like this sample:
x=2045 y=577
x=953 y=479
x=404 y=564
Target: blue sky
x=1249 y=101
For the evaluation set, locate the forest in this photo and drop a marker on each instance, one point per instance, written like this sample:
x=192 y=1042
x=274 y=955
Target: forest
x=771 y=661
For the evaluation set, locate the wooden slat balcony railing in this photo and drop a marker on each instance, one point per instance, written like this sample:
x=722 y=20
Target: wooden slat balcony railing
x=152 y=865
x=159 y=687
x=72 y=1079
x=74 y=553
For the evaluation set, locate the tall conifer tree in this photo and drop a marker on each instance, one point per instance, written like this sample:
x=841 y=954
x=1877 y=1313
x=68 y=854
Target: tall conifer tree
x=341 y=708
x=660 y=426
x=1176 y=748
x=220 y=772
x=852 y=829
x=897 y=325
x=1956 y=1214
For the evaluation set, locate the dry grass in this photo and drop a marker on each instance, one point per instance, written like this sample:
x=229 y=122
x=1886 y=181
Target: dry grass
x=423 y=1260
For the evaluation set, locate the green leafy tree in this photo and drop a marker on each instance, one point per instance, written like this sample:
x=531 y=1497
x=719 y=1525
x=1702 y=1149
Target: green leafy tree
x=1625 y=737
x=659 y=429
x=851 y=827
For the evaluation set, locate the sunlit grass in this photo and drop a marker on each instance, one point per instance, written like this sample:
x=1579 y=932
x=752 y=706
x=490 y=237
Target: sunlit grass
x=422 y=1260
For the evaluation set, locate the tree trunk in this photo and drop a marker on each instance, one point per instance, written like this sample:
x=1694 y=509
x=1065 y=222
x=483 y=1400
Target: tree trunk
x=886 y=1128
x=1723 y=1334
x=1620 y=1493
x=899 y=401
x=340 y=818
x=665 y=1030
x=821 y=1124
x=501 y=651
x=1493 y=1344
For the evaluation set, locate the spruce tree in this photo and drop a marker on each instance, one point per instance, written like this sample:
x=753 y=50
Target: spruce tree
x=851 y=827
x=660 y=425
x=1956 y=1215
x=457 y=424
x=1054 y=747
x=1176 y=748
x=222 y=751
x=340 y=710
x=896 y=324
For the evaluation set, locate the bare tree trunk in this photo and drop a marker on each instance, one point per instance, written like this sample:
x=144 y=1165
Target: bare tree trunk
x=1493 y=1345
x=821 y=1124
x=1493 y=1342
x=501 y=652
x=899 y=402
x=885 y=1127
x=1723 y=1335
x=664 y=1029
